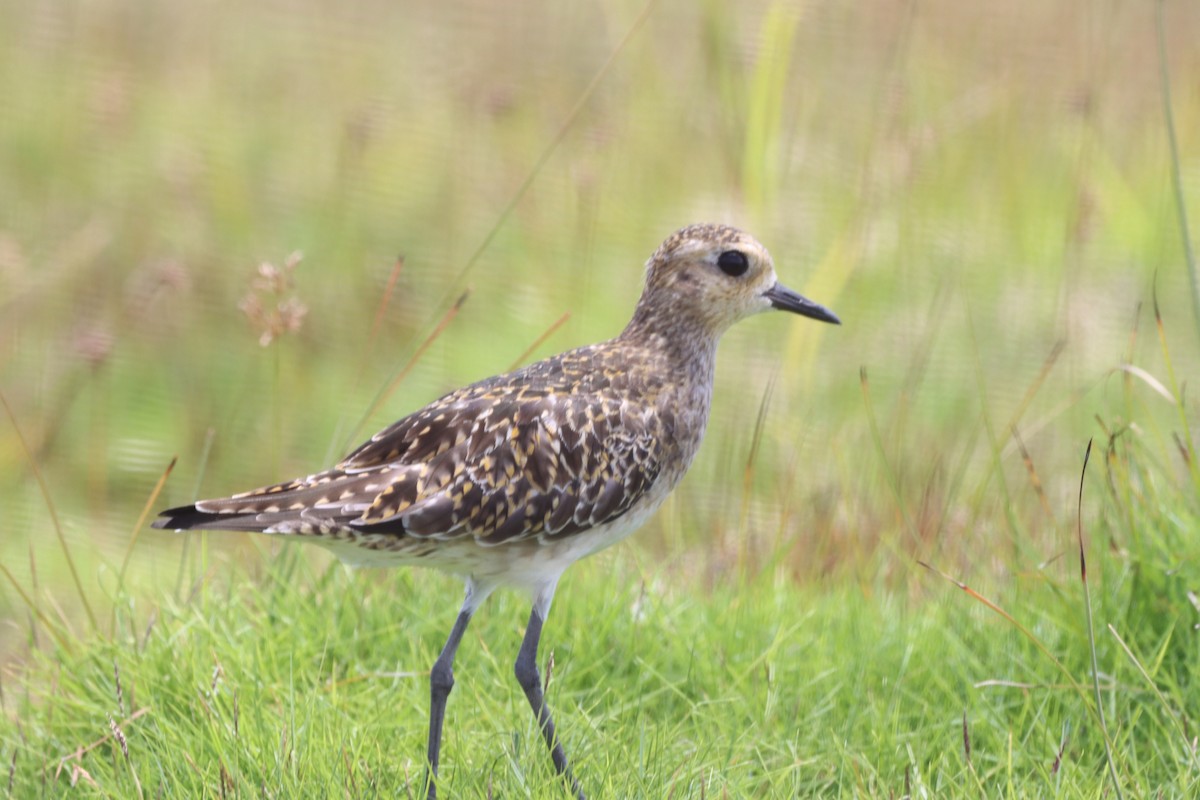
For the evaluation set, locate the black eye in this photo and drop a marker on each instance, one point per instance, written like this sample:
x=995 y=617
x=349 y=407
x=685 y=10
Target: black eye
x=733 y=262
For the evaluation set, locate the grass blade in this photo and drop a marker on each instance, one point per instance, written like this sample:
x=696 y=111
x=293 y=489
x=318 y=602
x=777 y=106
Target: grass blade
x=1175 y=391
x=37 y=612
x=1176 y=176
x=1087 y=607
x=1179 y=725
x=151 y=501
x=764 y=116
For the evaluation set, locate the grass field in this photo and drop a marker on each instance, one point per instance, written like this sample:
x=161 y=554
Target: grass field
x=989 y=199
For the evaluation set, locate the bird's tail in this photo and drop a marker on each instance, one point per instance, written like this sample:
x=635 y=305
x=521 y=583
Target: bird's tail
x=190 y=518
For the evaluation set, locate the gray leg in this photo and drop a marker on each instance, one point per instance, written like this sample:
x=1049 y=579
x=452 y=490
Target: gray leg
x=441 y=679
x=527 y=675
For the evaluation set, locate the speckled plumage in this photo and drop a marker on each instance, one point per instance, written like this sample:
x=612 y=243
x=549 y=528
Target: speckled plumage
x=546 y=452
x=511 y=479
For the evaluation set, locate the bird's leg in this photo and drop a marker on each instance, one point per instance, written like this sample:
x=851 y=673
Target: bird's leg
x=441 y=680
x=527 y=675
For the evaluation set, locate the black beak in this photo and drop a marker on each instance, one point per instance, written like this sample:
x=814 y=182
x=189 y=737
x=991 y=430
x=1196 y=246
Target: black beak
x=785 y=299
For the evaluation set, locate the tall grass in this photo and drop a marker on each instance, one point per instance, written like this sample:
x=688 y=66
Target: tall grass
x=981 y=198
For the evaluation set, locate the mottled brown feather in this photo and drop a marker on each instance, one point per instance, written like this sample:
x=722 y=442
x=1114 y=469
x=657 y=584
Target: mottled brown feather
x=539 y=452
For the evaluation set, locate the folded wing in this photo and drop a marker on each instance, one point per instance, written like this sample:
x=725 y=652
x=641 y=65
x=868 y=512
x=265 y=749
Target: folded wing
x=498 y=467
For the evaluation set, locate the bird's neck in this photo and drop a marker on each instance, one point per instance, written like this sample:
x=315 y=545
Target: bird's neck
x=684 y=356
x=687 y=345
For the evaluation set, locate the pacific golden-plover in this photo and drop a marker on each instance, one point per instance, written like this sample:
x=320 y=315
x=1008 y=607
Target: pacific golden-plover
x=512 y=479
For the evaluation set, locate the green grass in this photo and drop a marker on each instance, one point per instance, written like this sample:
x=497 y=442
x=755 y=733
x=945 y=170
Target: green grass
x=991 y=202
x=304 y=681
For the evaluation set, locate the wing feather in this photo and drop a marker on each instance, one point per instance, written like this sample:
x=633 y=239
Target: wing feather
x=497 y=464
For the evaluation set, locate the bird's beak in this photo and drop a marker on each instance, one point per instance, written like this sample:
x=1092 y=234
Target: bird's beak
x=785 y=299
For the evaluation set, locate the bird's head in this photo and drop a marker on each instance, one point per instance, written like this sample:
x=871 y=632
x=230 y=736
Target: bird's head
x=715 y=275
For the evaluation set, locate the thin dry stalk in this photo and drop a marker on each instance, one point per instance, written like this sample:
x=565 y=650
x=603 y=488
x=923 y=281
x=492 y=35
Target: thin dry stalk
x=62 y=539
x=386 y=392
x=540 y=340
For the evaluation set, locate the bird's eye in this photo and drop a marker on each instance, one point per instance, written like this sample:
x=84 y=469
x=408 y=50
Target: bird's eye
x=733 y=262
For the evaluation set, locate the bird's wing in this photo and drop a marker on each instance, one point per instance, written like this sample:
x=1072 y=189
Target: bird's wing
x=496 y=466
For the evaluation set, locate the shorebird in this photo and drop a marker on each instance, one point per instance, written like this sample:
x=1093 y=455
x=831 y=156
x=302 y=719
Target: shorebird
x=510 y=480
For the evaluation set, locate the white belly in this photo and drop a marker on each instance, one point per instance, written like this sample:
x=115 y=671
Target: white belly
x=527 y=564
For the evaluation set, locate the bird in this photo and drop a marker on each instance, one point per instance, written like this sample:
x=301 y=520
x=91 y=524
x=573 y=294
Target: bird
x=510 y=480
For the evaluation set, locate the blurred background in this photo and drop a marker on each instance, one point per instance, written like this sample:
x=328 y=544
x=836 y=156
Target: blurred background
x=982 y=192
